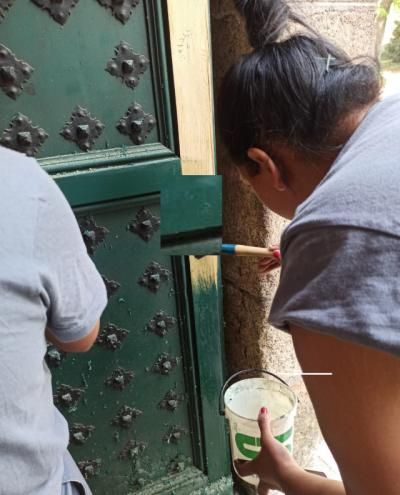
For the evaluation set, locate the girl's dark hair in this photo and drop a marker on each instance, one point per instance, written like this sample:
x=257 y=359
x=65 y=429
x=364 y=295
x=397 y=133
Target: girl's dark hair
x=292 y=91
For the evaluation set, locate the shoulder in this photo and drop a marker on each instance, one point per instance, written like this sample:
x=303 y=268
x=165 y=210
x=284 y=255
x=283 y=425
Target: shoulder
x=17 y=171
x=13 y=164
x=361 y=188
x=387 y=103
x=34 y=202
x=374 y=133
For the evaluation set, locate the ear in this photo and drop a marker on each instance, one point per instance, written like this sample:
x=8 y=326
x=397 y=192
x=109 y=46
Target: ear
x=267 y=166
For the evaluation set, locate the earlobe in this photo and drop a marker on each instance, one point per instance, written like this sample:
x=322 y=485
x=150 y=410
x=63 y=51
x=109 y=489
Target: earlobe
x=267 y=165
x=278 y=183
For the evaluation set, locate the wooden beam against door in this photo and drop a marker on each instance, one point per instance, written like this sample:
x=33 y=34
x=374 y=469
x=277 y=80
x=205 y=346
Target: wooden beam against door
x=190 y=38
x=189 y=24
x=190 y=41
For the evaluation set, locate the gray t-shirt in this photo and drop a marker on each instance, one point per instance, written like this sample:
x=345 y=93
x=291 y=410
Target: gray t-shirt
x=341 y=252
x=46 y=278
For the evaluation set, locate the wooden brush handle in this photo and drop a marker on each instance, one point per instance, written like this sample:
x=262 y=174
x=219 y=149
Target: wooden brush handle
x=262 y=252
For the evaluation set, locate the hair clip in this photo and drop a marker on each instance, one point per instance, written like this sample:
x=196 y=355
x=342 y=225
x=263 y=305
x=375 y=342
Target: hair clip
x=328 y=62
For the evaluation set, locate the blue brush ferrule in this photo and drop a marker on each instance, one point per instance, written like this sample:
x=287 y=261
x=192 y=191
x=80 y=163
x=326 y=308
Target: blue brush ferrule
x=228 y=248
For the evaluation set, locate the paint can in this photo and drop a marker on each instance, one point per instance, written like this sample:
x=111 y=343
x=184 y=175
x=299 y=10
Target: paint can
x=240 y=403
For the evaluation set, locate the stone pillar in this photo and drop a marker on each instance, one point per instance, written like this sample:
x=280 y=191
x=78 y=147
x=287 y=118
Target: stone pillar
x=250 y=341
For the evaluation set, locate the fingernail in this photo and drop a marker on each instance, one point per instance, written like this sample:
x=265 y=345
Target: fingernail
x=263 y=410
x=277 y=254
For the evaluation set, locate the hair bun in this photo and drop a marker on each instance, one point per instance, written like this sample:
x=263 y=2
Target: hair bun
x=266 y=20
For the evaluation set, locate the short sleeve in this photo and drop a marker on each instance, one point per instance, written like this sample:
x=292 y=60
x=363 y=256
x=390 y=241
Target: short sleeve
x=343 y=282
x=70 y=286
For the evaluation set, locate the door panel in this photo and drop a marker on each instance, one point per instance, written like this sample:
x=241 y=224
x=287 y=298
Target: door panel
x=140 y=372
x=69 y=69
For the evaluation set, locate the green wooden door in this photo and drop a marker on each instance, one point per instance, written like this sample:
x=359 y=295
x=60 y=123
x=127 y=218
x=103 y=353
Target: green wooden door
x=85 y=88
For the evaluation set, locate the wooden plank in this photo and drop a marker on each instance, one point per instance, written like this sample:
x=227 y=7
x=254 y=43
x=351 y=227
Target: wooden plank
x=189 y=24
x=190 y=38
x=190 y=42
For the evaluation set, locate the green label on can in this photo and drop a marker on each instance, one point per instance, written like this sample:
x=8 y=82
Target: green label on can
x=243 y=442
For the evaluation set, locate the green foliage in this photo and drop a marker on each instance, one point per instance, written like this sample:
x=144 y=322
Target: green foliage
x=384 y=7
x=382 y=13
x=391 y=51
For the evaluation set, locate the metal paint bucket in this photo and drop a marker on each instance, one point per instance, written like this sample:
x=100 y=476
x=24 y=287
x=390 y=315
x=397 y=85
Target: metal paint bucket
x=240 y=403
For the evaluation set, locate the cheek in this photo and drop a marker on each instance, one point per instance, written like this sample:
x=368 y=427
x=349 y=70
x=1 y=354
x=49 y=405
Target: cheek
x=274 y=200
x=264 y=193
x=277 y=201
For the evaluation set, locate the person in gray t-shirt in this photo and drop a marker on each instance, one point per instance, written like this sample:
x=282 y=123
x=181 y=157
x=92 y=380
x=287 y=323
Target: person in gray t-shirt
x=304 y=125
x=49 y=287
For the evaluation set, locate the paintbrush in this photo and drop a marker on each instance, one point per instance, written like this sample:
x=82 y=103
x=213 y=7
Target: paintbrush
x=241 y=250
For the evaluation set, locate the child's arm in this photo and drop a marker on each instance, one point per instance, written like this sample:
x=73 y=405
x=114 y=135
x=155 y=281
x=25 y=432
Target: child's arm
x=81 y=345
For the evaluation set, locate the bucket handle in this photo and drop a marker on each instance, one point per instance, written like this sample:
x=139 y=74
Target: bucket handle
x=242 y=372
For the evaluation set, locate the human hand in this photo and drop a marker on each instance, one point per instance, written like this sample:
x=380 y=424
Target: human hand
x=273 y=464
x=267 y=264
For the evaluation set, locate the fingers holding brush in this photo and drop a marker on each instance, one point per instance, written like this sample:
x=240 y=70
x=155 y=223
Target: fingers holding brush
x=269 y=263
x=270 y=257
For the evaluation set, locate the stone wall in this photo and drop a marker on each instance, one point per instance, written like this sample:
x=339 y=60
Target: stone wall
x=250 y=341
